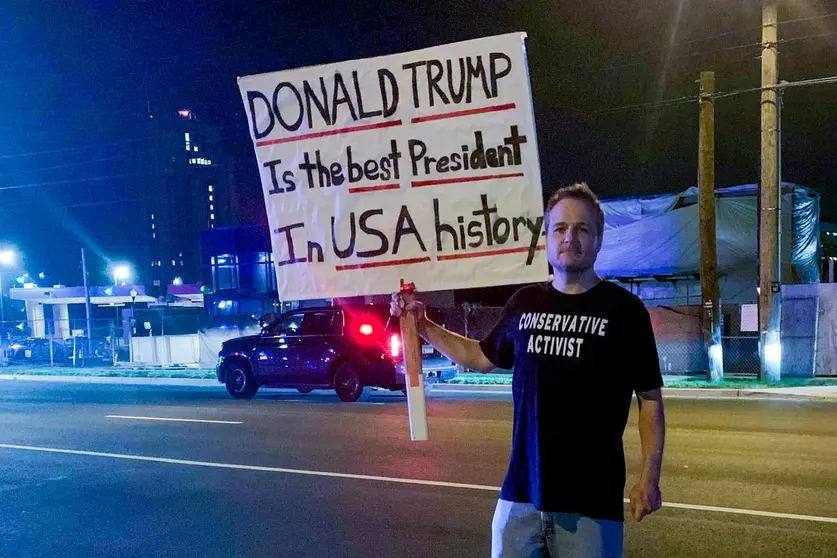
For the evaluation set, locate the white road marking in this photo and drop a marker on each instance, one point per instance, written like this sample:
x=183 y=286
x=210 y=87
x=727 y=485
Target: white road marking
x=252 y=467
x=750 y=512
x=443 y=484
x=165 y=419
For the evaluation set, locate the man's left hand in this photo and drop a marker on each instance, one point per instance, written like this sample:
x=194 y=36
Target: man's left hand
x=645 y=499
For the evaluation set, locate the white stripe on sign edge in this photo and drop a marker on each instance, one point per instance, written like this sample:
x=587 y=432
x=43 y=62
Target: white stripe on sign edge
x=443 y=484
x=165 y=419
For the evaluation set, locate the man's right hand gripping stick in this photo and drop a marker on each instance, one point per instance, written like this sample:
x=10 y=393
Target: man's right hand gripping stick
x=413 y=376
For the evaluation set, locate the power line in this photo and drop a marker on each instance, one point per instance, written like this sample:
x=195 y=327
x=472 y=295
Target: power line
x=736 y=92
x=109 y=202
x=75 y=180
x=68 y=165
x=807 y=82
x=806 y=37
x=78 y=148
x=652 y=105
x=693 y=99
x=679 y=56
x=643 y=53
x=805 y=19
x=782 y=86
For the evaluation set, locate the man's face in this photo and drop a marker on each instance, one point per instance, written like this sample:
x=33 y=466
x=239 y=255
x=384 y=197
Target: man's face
x=573 y=240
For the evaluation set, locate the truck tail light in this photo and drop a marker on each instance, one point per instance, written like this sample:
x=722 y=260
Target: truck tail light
x=395 y=345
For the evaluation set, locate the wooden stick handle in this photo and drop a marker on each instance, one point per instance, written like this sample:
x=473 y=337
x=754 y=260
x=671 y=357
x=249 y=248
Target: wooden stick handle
x=413 y=376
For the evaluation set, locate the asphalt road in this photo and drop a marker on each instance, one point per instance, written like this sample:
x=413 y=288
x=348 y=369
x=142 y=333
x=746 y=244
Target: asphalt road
x=251 y=483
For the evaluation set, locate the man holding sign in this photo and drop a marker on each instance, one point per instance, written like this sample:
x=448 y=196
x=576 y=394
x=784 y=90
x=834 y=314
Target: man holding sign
x=580 y=347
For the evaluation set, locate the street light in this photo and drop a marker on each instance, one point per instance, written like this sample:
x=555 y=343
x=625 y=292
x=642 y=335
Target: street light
x=7 y=258
x=121 y=273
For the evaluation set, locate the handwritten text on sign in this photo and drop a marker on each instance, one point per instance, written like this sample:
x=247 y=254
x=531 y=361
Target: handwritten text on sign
x=387 y=168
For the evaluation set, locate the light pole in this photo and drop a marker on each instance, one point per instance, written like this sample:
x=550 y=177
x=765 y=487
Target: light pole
x=134 y=294
x=7 y=258
x=121 y=273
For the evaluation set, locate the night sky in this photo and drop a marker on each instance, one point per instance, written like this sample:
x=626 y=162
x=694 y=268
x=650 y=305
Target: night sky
x=79 y=78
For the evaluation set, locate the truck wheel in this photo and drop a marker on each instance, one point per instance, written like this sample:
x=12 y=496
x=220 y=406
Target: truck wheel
x=240 y=381
x=347 y=383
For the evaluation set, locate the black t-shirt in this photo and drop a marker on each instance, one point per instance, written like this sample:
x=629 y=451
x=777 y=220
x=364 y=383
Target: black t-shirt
x=577 y=360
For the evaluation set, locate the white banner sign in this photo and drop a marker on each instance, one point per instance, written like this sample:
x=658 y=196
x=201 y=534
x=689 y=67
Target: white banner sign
x=421 y=166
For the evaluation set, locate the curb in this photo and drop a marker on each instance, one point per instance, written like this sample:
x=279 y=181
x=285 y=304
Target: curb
x=675 y=393
x=185 y=382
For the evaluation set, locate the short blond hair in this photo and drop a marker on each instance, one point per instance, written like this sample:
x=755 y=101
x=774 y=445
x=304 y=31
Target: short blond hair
x=578 y=191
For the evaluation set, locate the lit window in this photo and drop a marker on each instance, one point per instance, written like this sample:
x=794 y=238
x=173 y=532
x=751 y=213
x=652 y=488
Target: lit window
x=195 y=148
x=211 y=216
x=173 y=262
x=152 y=216
x=208 y=161
x=159 y=263
x=181 y=254
x=188 y=141
x=153 y=226
x=209 y=187
x=211 y=207
x=153 y=235
x=210 y=197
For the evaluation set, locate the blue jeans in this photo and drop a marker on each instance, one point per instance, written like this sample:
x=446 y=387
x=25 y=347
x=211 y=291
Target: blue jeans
x=521 y=531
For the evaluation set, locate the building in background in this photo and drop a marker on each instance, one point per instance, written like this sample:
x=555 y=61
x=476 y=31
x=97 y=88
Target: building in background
x=188 y=190
x=237 y=266
x=239 y=275
x=828 y=259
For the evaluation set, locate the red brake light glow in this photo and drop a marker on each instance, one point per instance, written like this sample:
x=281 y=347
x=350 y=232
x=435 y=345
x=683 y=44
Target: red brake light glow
x=395 y=346
x=366 y=329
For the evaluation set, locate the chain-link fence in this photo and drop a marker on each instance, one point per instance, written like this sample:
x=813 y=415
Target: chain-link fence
x=62 y=342
x=163 y=337
x=75 y=342
x=680 y=344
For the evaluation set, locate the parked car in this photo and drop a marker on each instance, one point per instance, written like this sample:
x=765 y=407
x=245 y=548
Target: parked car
x=37 y=350
x=346 y=348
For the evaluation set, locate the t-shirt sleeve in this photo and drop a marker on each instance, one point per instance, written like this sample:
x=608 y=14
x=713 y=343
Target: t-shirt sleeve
x=645 y=369
x=498 y=345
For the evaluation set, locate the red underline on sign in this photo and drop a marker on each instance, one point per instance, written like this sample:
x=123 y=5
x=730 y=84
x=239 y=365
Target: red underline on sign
x=383 y=264
x=312 y=135
x=488 y=253
x=361 y=189
x=469 y=112
x=440 y=181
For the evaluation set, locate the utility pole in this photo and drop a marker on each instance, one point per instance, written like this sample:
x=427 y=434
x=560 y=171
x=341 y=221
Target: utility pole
x=770 y=351
x=89 y=347
x=709 y=288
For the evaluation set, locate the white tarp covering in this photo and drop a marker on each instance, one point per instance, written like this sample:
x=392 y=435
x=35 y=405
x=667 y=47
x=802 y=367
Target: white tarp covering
x=658 y=235
x=420 y=165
